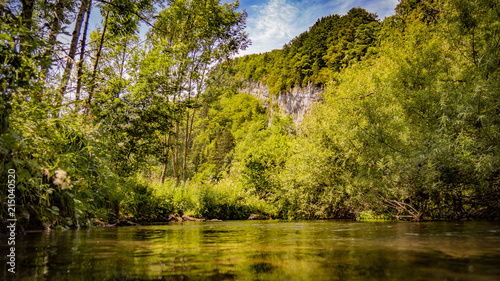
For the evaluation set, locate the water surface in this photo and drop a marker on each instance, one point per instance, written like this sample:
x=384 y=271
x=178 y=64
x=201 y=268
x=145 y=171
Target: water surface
x=263 y=250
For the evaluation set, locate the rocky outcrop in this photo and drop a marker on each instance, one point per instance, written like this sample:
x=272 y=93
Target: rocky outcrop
x=294 y=102
x=189 y=218
x=259 y=217
x=114 y=220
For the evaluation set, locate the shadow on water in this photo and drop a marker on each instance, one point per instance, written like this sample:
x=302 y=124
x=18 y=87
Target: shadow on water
x=267 y=250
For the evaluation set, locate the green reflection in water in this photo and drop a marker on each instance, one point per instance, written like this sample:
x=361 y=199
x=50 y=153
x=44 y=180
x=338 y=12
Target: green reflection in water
x=264 y=250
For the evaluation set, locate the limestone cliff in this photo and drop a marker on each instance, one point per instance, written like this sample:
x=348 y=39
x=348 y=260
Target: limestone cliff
x=294 y=102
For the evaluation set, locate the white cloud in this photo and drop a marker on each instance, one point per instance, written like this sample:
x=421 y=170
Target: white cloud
x=383 y=8
x=273 y=23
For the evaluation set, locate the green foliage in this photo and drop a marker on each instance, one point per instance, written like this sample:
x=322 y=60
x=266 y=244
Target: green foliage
x=408 y=127
x=371 y=217
x=312 y=185
x=263 y=154
x=332 y=43
x=141 y=201
x=409 y=133
x=406 y=133
x=71 y=166
x=224 y=200
x=227 y=122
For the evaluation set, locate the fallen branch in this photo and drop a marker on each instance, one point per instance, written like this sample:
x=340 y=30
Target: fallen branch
x=402 y=206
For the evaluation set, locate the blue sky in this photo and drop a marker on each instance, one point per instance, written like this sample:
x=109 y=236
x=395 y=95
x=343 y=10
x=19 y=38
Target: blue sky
x=272 y=23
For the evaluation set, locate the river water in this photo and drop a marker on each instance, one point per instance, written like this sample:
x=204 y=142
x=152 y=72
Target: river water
x=263 y=250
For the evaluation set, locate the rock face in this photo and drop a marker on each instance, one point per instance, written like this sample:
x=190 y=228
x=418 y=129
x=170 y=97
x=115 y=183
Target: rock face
x=294 y=102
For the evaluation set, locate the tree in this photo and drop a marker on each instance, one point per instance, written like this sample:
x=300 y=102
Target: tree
x=190 y=37
x=121 y=19
x=84 y=6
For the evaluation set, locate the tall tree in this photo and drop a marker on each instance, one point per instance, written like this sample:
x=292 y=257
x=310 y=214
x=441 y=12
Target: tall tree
x=121 y=18
x=84 y=5
x=193 y=36
x=96 y=62
x=55 y=29
x=82 y=53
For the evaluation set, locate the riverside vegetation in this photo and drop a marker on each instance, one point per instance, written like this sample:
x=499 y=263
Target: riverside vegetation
x=103 y=124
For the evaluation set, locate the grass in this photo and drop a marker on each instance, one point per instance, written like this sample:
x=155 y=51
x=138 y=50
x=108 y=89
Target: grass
x=225 y=200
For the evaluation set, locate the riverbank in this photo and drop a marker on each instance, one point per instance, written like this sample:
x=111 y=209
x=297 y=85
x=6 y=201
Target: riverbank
x=145 y=202
x=139 y=201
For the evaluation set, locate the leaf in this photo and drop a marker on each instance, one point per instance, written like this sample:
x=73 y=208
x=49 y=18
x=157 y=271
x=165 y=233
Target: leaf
x=32 y=163
x=15 y=135
x=3 y=149
x=54 y=210
x=23 y=175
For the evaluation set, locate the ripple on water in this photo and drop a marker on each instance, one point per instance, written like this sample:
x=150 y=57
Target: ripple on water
x=270 y=250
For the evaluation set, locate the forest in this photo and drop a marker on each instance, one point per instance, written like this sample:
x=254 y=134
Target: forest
x=106 y=126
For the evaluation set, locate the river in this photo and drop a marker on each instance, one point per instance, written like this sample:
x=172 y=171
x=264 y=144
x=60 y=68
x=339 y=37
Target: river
x=263 y=250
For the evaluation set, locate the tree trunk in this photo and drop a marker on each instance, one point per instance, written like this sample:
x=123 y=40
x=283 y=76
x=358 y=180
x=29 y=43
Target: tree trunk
x=72 y=50
x=189 y=126
x=96 y=63
x=186 y=134
x=27 y=20
x=189 y=132
x=54 y=31
x=175 y=156
x=164 y=168
x=82 y=53
x=186 y=144
x=27 y=13
x=123 y=60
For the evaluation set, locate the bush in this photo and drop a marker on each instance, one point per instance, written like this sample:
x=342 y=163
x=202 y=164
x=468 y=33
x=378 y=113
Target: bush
x=226 y=200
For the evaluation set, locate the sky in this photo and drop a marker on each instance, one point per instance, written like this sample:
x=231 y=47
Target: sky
x=273 y=23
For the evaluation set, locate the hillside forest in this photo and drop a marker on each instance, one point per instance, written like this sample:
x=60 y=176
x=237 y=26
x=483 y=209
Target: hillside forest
x=106 y=124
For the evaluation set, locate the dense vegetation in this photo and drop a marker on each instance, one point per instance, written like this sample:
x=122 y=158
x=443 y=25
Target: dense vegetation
x=112 y=126
x=331 y=44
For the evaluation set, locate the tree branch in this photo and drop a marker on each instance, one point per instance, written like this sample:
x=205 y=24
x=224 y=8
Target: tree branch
x=360 y=97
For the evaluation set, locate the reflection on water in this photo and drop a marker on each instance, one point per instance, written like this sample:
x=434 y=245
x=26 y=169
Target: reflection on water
x=264 y=250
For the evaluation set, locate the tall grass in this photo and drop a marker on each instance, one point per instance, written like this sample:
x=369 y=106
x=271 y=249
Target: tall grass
x=226 y=200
